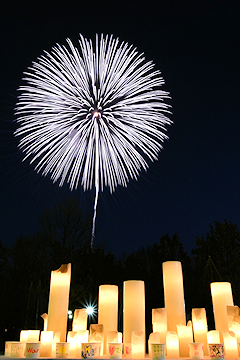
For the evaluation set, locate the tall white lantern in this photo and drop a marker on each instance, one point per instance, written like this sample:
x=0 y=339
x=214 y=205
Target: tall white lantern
x=221 y=298
x=133 y=308
x=58 y=301
x=173 y=294
x=108 y=310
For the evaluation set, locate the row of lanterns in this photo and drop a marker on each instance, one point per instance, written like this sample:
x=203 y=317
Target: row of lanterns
x=169 y=323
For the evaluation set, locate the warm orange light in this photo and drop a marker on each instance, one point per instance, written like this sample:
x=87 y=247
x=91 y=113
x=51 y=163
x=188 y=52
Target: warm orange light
x=80 y=320
x=200 y=327
x=72 y=340
x=133 y=308
x=213 y=337
x=230 y=345
x=172 y=344
x=154 y=338
x=29 y=335
x=58 y=300
x=185 y=336
x=82 y=337
x=173 y=294
x=221 y=298
x=46 y=344
x=138 y=345
x=108 y=310
x=159 y=323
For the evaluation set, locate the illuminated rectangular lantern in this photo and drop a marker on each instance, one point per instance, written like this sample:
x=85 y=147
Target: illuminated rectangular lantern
x=133 y=308
x=58 y=300
x=108 y=310
x=173 y=294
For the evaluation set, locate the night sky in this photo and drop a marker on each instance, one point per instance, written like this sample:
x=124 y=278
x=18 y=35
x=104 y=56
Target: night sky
x=196 y=180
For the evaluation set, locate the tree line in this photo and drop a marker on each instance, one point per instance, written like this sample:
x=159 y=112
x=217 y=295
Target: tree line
x=64 y=236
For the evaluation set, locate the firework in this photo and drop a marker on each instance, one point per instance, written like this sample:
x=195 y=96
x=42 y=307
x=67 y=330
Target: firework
x=92 y=115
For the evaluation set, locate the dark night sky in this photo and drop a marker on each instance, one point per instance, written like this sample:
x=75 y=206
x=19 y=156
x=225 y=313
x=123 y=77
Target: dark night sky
x=197 y=178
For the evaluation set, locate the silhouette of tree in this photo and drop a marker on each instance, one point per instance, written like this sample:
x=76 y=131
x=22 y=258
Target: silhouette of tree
x=216 y=258
x=63 y=231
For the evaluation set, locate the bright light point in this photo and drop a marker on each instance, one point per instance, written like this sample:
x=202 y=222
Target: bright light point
x=96 y=114
x=90 y=310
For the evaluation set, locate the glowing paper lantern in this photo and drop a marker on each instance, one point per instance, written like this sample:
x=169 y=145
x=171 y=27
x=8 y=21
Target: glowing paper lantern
x=213 y=337
x=173 y=294
x=82 y=337
x=29 y=336
x=58 y=300
x=133 y=308
x=108 y=310
x=200 y=327
x=96 y=334
x=79 y=320
x=185 y=336
x=230 y=345
x=23 y=335
x=72 y=340
x=120 y=337
x=7 y=351
x=172 y=344
x=233 y=314
x=112 y=337
x=46 y=344
x=154 y=338
x=221 y=298
x=159 y=323
x=138 y=344
x=235 y=327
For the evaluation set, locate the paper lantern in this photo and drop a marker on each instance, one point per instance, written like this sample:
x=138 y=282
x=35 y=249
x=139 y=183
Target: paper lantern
x=133 y=308
x=79 y=320
x=154 y=338
x=58 y=301
x=230 y=345
x=138 y=344
x=213 y=337
x=72 y=340
x=185 y=336
x=112 y=337
x=172 y=344
x=96 y=334
x=221 y=298
x=46 y=344
x=82 y=337
x=173 y=294
x=108 y=310
x=29 y=336
x=159 y=323
x=120 y=337
x=200 y=327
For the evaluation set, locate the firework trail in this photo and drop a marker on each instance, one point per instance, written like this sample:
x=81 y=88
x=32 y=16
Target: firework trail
x=92 y=115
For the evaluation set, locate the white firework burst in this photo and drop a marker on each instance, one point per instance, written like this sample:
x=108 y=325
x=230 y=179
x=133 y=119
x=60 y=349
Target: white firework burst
x=92 y=115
